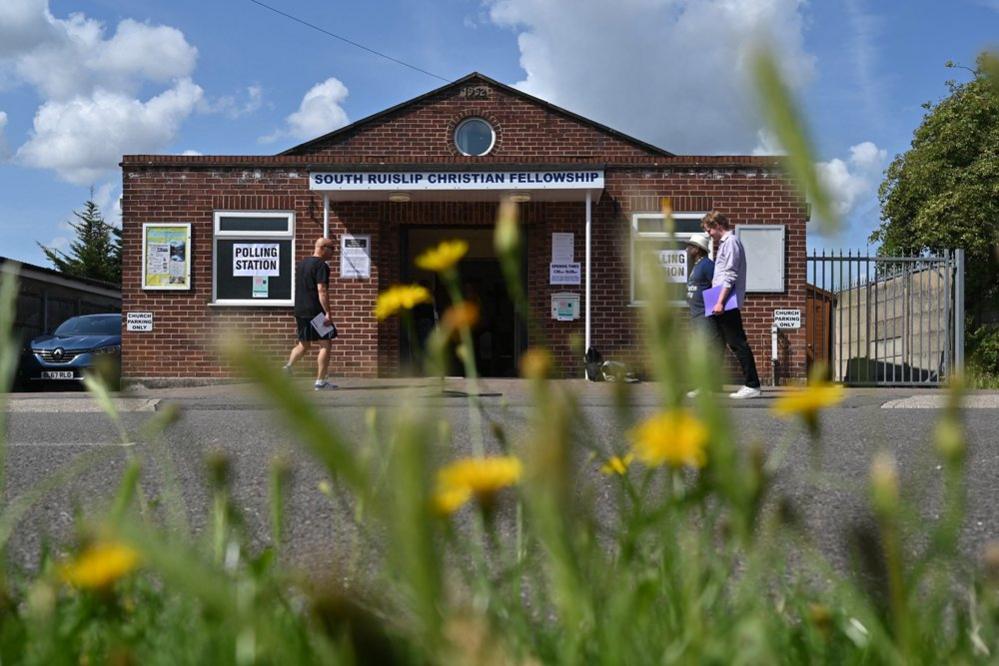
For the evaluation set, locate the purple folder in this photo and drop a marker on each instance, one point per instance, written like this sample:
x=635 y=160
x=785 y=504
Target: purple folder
x=711 y=297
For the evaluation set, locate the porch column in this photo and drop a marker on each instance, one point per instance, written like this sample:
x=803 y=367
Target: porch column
x=586 y=308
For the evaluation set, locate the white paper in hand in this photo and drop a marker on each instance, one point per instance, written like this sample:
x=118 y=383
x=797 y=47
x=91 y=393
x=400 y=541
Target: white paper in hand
x=323 y=327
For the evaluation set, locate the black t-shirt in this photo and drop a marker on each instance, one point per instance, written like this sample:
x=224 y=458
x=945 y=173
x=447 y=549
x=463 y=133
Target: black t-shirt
x=310 y=272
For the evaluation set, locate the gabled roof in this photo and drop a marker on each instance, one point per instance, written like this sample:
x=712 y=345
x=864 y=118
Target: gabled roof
x=475 y=76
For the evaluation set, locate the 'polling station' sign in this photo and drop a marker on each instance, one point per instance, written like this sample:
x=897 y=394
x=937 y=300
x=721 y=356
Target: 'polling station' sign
x=255 y=260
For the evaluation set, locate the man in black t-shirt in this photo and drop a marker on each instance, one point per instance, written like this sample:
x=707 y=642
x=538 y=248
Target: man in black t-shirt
x=312 y=276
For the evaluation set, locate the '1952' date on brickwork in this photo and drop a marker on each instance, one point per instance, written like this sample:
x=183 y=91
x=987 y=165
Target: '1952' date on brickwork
x=475 y=92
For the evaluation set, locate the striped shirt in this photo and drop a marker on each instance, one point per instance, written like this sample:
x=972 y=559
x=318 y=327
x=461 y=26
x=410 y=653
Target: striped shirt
x=730 y=266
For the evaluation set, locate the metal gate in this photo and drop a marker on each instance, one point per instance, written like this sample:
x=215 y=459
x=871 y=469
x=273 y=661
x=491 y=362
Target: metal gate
x=886 y=321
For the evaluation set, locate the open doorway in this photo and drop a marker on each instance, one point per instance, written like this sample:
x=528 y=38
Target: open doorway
x=500 y=335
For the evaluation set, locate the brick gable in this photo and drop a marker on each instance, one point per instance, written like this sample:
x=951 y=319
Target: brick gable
x=527 y=129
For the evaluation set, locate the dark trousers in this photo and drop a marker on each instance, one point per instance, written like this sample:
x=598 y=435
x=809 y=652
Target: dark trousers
x=729 y=327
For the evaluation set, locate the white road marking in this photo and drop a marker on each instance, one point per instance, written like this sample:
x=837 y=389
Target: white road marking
x=939 y=401
x=119 y=445
x=76 y=405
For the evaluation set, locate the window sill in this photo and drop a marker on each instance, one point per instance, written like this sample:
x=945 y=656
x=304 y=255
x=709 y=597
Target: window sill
x=260 y=303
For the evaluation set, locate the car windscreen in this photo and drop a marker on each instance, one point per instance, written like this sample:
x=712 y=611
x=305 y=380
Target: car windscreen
x=90 y=326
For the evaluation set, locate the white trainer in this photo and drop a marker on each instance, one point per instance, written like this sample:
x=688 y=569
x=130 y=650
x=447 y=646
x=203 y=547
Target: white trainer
x=693 y=394
x=745 y=393
x=323 y=386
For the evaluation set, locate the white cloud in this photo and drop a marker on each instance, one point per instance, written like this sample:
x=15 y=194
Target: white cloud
x=673 y=72
x=89 y=80
x=232 y=107
x=866 y=29
x=4 y=150
x=191 y=152
x=108 y=200
x=24 y=24
x=60 y=243
x=767 y=144
x=85 y=137
x=320 y=112
x=64 y=58
x=853 y=182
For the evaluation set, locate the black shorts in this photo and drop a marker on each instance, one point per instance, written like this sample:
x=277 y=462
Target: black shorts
x=307 y=332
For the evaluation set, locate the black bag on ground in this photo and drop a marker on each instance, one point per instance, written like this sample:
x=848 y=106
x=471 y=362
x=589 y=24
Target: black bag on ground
x=594 y=360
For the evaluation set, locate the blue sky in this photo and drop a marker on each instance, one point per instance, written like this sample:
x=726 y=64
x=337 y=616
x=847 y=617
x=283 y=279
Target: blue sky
x=83 y=82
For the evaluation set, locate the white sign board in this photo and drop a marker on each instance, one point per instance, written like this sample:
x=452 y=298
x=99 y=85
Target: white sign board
x=674 y=263
x=355 y=256
x=764 y=245
x=787 y=318
x=566 y=273
x=565 y=306
x=256 y=259
x=463 y=180
x=139 y=321
x=562 y=248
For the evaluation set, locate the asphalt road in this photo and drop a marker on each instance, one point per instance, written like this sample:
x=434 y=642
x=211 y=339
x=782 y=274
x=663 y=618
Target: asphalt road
x=48 y=432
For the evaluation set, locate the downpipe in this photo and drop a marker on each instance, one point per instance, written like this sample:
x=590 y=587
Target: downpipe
x=774 y=332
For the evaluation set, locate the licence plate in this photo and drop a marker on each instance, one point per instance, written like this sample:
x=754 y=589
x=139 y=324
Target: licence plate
x=57 y=374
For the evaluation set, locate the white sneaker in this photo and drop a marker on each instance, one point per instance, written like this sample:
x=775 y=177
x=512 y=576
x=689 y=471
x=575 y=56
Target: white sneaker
x=745 y=393
x=323 y=386
x=694 y=393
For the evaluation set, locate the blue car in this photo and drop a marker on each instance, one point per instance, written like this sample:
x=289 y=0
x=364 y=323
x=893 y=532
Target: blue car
x=79 y=343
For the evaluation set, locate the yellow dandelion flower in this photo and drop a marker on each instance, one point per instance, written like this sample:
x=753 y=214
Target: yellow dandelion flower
x=443 y=257
x=459 y=316
x=100 y=565
x=398 y=298
x=675 y=438
x=808 y=401
x=536 y=363
x=448 y=500
x=617 y=464
x=478 y=478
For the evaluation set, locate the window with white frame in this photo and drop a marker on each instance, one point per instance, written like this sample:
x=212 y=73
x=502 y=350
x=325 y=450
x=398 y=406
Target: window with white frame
x=253 y=258
x=654 y=245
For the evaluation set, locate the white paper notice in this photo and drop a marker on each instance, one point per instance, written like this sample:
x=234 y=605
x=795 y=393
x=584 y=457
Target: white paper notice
x=158 y=259
x=355 y=256
x=566 y=273
x=562 y=248
x=256 y=259
x=674 y=263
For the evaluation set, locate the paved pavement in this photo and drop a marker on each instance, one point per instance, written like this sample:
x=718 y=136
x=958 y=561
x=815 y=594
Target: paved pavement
x=49 y=431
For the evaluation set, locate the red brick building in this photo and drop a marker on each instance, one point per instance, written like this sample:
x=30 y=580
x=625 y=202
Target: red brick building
x=433 y=168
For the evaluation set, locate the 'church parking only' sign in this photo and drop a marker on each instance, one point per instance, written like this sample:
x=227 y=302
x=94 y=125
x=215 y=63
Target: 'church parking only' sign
x=787 y=318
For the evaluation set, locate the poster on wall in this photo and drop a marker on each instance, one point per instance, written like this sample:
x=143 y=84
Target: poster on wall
x=166 y=256
x=562 y=248
x=567 y=273
x=256 y=260
x=355 y=256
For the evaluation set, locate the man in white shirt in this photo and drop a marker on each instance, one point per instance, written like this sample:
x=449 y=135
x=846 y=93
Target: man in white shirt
x=730 y=275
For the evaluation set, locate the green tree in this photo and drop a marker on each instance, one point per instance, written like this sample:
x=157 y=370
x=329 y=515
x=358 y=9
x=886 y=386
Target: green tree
x=96 y=252
x=944 y=191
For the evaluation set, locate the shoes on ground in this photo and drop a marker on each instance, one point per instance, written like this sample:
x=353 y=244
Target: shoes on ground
x=745 y=393
x=323 y=386
x=694 y=393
